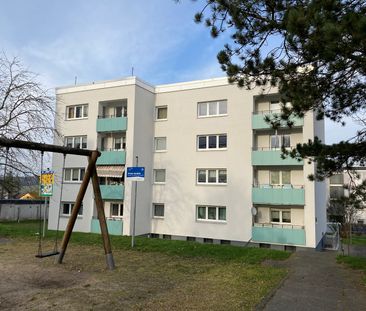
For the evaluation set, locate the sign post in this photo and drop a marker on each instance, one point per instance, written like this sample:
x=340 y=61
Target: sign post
x=135 y=174
x=47 y=179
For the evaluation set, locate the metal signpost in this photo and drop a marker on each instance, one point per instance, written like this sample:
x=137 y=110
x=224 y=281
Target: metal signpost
x=135 y=174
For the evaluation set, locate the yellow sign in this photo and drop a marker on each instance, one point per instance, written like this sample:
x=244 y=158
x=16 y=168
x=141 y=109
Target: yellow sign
x=46 y=181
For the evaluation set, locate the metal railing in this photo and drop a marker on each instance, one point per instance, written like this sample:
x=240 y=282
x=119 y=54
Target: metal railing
x=112 y=149
x=267 y=111
x=109 y=116
x=272 y=186
x=282 y=226
x=272 y=148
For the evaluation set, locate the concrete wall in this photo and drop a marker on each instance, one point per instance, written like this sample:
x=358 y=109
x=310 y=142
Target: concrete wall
x=21 y=211
x=77 y=127
x=180 y=194
x=143 y=138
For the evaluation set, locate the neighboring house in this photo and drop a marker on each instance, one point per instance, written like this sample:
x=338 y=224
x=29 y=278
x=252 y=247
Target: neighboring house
x=337 y=189
x=211 y=163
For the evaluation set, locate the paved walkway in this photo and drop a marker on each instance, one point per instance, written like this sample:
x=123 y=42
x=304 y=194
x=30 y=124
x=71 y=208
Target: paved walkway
x=317 y=282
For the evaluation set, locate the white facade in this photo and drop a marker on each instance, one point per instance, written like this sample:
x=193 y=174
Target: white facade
x=216 y=160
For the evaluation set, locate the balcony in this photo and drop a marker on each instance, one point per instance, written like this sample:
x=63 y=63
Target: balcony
x=278 y=234
x=284 y=195
x=112 y=124
x=115 y=226
x=112 y=157
x=112 y=192
x=259 y=123
x=267 y=157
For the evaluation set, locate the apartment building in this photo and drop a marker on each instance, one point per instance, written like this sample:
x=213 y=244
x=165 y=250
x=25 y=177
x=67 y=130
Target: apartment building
x=214 y=171
x=339 y=185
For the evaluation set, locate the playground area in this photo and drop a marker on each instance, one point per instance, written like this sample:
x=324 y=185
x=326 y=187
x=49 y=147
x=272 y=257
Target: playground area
x=156 y=275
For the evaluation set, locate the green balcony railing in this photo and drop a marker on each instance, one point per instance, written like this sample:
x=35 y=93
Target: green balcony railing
x=267 y=233
x=278 y=196
x=112 y=192
x=112 y=158
x=258 y=122
x=268 y=157
x=111 y=124
x=115 y=226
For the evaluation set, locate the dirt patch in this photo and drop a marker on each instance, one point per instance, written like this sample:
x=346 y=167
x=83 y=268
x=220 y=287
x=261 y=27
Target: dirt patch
x=141 y=281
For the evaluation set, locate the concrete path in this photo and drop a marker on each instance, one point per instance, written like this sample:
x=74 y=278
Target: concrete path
x=317 y=282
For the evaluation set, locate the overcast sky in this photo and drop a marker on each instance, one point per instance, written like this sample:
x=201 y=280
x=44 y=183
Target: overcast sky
x=102 y=40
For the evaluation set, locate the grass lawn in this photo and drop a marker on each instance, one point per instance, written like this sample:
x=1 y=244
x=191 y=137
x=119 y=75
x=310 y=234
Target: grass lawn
x=356 y=240
x=354 y=262
x=155 y=275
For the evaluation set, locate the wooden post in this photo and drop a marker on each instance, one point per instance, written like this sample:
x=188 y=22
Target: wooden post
x=102 y=221
x=76 y=208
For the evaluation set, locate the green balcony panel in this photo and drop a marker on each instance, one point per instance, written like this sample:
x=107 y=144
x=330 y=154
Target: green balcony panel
x=112 y=192
x=278 y=196
x=278 y=235
x=272 y=157
x=112 y=158
x=111 y=124
x=258 y=122
x=115 y=227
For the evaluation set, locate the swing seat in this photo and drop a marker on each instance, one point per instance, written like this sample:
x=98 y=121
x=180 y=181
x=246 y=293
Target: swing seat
x=49 y=254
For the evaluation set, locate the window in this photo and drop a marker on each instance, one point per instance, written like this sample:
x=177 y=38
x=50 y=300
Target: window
x=158 y=210
x=280 y=177
x=275 y=106
x=119 y=143
x=161 y=113
x=281 y=216
x=211 y=176
x=212 y=108
x=116 y=209
x=205 y=142
x=159 y=176
x=336 y=192
x=160 y=143
x=336 y=179
x=74 y=174
x=278 y=141
x=79 y=142
x=77 y=112
x=67 y=208
x=211 y=213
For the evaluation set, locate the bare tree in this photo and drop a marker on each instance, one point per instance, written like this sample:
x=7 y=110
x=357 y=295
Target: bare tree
x=26 y=113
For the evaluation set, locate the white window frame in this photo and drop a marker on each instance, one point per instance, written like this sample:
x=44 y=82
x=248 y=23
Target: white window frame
x=154 y=176
x=207 y=142
x=206 y=219
x=207 y=103
x=71 y=206
x=157 y=113
x=217 y=170
x=120 y=208
x=155 y=144
x=84 y=107
x=72 y=169
x=123 y=143
x=83 y=138
x=280 y=141
x=280 y=216
x=280 y=172
x=153 y=210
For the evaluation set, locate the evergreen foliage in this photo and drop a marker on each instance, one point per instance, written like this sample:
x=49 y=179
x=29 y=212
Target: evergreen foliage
x=317 y=60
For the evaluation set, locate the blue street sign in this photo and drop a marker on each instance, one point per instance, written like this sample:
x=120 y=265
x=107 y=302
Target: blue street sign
x=136 y=173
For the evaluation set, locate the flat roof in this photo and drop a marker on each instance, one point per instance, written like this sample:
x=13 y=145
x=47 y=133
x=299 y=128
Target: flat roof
x=162 y=88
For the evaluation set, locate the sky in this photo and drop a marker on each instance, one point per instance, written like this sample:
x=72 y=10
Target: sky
x=96 y=40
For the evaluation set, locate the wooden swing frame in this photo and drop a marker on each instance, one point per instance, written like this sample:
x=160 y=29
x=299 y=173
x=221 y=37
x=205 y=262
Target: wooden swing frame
x=90 y=174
